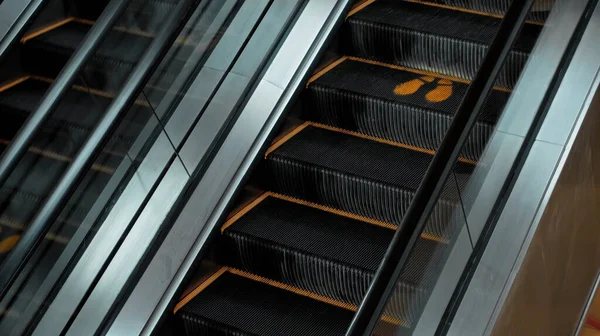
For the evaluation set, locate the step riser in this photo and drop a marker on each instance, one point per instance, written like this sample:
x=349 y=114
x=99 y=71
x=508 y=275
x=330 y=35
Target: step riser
x=311 y=273
x=202 y=327
x=294 y=268
x=388 y=120
x=348 y=193
x=412 y=49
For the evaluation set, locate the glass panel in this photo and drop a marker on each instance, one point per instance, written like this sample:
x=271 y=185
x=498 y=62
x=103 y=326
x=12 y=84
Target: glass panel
x=145 y=146
x=42 y=55
x=425 y=261
x=432 y=272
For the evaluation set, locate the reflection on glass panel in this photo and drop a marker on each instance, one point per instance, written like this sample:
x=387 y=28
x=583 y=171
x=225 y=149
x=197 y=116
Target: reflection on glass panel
x=420 y=274
x=406 y=307
x=39 y=59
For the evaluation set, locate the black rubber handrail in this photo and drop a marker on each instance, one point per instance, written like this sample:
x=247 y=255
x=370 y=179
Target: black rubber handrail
x=429 y=191
x=20 y=143
x=43 y=219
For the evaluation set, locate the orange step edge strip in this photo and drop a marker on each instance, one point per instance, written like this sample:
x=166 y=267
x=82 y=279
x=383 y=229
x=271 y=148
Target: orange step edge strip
x=470 y=11
x=275 y=284
x=60 y=157
x=361 y=6
x=243 y=211
x=46 y=29
x=298 y=129
x=339 y=61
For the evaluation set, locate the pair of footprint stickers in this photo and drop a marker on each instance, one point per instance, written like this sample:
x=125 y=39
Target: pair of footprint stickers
x=440 y=93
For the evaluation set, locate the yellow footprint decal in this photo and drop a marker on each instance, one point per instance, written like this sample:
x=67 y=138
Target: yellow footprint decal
x=441 y=93
x=412 y=86
x=8 y=243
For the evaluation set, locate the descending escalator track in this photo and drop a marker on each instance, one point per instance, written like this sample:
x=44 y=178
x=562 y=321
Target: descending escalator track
x=41 y=55
x=299 y=254
x=25 y=77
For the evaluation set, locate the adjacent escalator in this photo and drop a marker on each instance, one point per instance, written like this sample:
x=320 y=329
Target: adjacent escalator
x=26 y=78
x=297 y=255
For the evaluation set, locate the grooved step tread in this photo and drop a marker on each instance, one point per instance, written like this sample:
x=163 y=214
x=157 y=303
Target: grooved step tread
x=384 y=84
x=378 y=162
x=118 y=45
x=326 y=253
x=316 y=232
x=233 y=303
x=442 y=22
x=70 y=124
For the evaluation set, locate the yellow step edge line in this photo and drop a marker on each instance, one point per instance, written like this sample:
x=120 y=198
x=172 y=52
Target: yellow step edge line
x=326 y=70
x=360 y=7
x=46 y=29
x=298 y=129
x=384 y=141
x=19 y=226
x=243 y=211
x=309 y=294
x=334 y=211
x=60 y=157
x=466 y=10
x=351 y=215
x=421 y=72
x=117 y=28
x=92 y=91
x=199 y=289
x=142 y=33
x=287 y=137
x=13 y=83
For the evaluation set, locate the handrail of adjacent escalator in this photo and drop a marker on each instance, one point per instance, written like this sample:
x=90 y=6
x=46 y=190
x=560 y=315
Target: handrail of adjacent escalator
x=17 y=29
x=437 y=174
x=41 y=222
x=59 y=87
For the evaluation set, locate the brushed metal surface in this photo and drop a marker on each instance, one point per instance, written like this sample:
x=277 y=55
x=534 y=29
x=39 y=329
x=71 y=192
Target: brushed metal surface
x=509 y=235
x=558 y=268
x=495 y=166
x=487 y=297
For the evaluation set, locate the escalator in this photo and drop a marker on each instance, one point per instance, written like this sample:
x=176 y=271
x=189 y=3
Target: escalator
x=304 y=242
x=36 y=61
x=25 y=77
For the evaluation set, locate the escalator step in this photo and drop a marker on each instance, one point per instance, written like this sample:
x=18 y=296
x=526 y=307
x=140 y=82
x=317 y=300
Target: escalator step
x=395 y=104
x=72 y=121
x=237 y=305
x=144 y=15
x=539 y=13
x=361 y=176
x=430 y=38
x=107 y=70
x=320 y=251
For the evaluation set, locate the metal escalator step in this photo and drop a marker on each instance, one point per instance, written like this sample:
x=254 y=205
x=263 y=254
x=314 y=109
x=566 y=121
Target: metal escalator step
x=29 y=185
x=539 y=12
x=72 y=121
x=404 y=106
x=46 y=54
x=360 y=176
x=432 y=38
x=144 y=15
x=237 y=305
x=35 y=176
x=319 y=251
